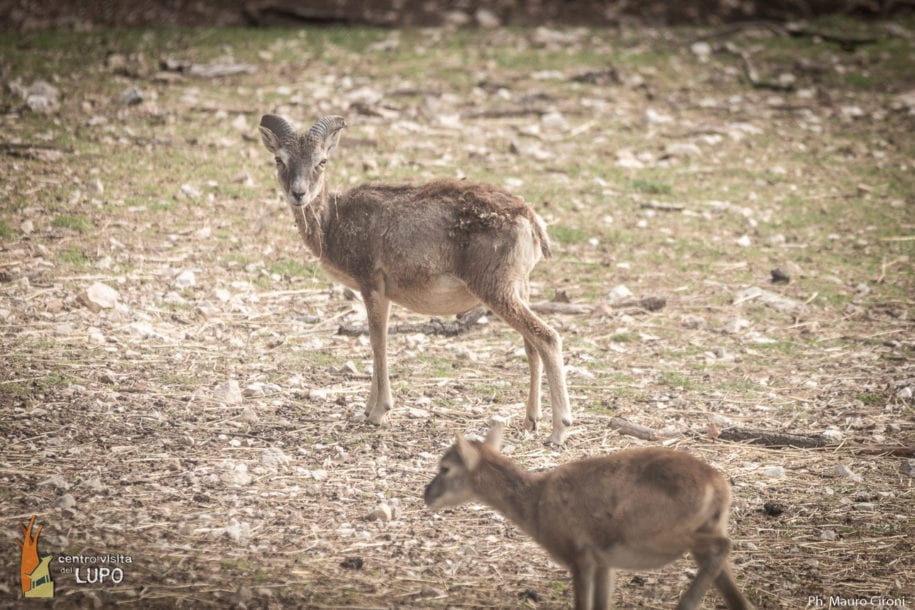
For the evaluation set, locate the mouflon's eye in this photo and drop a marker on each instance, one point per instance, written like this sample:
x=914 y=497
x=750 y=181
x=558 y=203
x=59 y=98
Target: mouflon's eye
x=321 y=164
x=443 y=470
x=279 y=162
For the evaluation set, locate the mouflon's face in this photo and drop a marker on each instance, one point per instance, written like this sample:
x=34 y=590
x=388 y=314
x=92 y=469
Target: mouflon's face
x=300 y=158
x=451 y=486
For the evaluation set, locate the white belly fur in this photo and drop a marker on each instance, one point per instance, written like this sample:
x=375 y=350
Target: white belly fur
x=443 y=295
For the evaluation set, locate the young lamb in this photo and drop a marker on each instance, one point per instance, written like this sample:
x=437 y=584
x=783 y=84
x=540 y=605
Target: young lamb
x=439 y=248
x=636 y=509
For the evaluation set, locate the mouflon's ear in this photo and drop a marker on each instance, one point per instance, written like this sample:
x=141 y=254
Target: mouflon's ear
x=470 y=455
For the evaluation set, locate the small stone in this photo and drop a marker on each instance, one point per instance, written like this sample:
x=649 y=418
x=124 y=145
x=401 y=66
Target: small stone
x=833 y=435
x=56 y=481
x=96 y=187
x=185 y=279
x=27 y=227
x=773 y=472
x=273 y=457
x=744 y=241
x=131 y=96
x=65 y=502
x=99 y=296
x=908 y=467
x=779 y=276
x=682 y=149
x=228 y=392
x=415 y=413
x=701 y=49
x=619 y=293
x=735 y=325
x=868 y=507
x=554 y=121
x=692 y=321
x=236 y=474
x=828 y=535
x=191 y=191
x=844 y=471
x=382 y=513
x=249 y=415
x=238 y=531
x=487 y=19
x=318 y=394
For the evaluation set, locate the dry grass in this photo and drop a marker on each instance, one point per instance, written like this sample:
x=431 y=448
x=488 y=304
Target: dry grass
x=263 y=503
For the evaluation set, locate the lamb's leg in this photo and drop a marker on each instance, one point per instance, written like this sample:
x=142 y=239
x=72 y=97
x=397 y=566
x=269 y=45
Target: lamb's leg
x=533 y=399
x=546 y=341
x=711 y=552
x=377 y=308
x=604 y=582
x=733 y=598
x=583 y=580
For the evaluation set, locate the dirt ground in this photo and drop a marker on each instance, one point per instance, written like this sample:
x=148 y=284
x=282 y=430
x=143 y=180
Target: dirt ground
x=174 y=387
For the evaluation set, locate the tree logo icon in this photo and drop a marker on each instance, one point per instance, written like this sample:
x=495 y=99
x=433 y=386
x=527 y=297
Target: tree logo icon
x=35 y=572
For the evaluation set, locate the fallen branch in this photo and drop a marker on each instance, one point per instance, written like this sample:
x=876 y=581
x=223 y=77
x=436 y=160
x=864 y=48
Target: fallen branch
x=894 y=450
x=768 y=438
x=624 y=426
x=556 y=307
x=652 y=303
x=434 y=326
x=765 y=438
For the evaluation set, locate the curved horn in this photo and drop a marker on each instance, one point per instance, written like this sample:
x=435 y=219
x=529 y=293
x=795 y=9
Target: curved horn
x=279 y=126
x=324 y=127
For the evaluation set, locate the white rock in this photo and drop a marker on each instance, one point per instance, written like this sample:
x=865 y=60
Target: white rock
x=99 y=296
x=682 y=149
x=382 y=512
x=185 y=279
x=55 y=481
x=238 y=531
x=832 y=434
x=619 y=293
x=96 y=337
x=191 y=191
x=228 y=392
x=65 y=501
x=416 y=413
x=554 y=121
x=27 y=227
x=844 y=471
x=236 y=474
x=828 y=535
x=767 y=297
x=692 y=321
x=249 y=415
x=773 y=472
x=273 y=457
x=487 y=19
x=653 y=117
x=318 y=394
x=701 y=49
x=744 y=241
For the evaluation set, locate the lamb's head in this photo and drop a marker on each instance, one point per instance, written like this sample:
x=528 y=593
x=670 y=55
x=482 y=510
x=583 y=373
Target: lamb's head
x=301 y=157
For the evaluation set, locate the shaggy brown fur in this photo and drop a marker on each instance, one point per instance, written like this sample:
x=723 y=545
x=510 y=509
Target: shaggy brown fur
x=636 y=509
x=440 y=248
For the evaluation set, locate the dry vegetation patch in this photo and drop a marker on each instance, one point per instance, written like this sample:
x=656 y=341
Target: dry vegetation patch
x=174 y=387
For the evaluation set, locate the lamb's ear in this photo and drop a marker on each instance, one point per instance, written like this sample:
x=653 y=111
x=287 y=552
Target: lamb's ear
x=274 y=129
x=326 y=132
x=470 y=455
x=494 y=436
